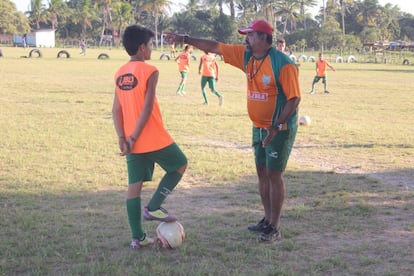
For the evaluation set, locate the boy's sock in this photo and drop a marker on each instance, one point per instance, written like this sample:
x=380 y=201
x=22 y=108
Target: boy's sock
x=133 y=206
x=205 y=96
x=179 y=89
x=167 y=184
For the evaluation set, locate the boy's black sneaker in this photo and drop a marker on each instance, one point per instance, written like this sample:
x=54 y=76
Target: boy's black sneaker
x=269 y=234
x=260 y=226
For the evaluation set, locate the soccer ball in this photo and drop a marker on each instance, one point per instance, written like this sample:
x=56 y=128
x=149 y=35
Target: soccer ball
x=304 y=120
x=170 y=235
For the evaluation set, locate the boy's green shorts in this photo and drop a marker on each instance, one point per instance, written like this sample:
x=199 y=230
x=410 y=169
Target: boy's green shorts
x=316 y=79
x=141 y=165
x=276 y=154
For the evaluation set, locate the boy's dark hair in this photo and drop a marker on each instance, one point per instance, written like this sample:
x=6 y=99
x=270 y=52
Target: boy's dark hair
x=134 y=36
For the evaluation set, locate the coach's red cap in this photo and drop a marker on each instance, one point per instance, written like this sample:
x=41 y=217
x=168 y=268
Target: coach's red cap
x=259 y=26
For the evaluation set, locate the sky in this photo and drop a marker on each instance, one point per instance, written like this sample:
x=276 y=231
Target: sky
x=405 y=5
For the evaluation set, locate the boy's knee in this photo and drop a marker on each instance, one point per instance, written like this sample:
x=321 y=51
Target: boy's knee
x=182 y=169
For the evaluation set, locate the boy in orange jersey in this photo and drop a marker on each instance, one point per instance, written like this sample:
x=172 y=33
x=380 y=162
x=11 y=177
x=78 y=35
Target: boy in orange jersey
x=273 y=96
x=321 y=65
x=141 y=134
x=208 y=69
x=183 y=67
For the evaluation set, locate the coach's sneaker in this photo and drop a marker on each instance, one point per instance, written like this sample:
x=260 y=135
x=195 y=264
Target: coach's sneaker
x=269 y=234
x=260 y=226
x=326 y=92
x=311 y=92
x=160 y=214
x=137 y=243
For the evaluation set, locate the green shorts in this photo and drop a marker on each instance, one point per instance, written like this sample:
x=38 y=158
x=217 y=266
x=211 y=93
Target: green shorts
x=141 y=165
x=183 y=74
x=210 y=80
x=316 y=79
x=276 y=154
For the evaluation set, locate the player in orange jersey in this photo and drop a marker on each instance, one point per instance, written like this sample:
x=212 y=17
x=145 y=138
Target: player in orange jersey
x=209 y=71
x=141 y=134
x=321 y=65
x=183 y=67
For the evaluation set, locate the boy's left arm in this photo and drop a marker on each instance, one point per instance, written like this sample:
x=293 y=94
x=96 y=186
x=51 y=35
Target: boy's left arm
x=117 y=117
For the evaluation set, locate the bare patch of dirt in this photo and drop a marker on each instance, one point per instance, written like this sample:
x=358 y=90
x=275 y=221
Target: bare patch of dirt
x=402 y=178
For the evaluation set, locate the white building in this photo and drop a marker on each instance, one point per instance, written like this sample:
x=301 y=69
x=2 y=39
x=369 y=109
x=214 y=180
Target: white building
x=40 y=38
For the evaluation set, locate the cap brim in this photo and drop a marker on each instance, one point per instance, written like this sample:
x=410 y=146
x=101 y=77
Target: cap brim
x=244 y=31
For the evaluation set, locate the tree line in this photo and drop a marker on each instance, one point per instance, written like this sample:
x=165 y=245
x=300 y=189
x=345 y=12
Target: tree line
x=339 y=24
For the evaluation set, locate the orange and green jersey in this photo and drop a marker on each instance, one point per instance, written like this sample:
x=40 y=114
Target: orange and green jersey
x=271 y=82
x=131 y=87
x=321 y=68
x=184 y=62
x=209 y=66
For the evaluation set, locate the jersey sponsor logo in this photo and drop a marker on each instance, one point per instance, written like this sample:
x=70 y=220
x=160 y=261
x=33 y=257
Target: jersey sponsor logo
x=127 y=82
x=266 y=80
x=258 y=96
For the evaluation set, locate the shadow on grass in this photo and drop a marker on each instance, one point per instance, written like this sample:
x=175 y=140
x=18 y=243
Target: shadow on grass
x=370 y=145
x=331 y=224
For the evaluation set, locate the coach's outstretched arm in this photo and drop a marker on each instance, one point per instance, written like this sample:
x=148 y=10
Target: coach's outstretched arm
x=206 y=45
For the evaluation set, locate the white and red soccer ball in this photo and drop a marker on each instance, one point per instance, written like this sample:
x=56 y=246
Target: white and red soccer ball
x=304 y=120
x=170 y=235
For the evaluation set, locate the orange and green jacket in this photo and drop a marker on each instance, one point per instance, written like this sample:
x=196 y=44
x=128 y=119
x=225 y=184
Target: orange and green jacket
x=271 y=82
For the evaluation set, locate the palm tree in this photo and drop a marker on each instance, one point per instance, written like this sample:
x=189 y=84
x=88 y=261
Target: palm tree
x=57 y=9
x=155 y=7
x=105 y=6
x=192 y=6
x=344 y=6
x=339 y=6
x=84 y=15
x=288 y=11
x=267 y=10
x=122 y=15
x=220 y=4
x=303 y=5
x=232 y=5
x=213 y=4
x=368 y=12
x=248 y=9
x=387 y=22
x=37 y=14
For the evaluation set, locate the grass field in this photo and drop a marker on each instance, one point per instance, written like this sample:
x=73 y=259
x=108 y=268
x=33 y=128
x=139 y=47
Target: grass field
x=349 y=208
